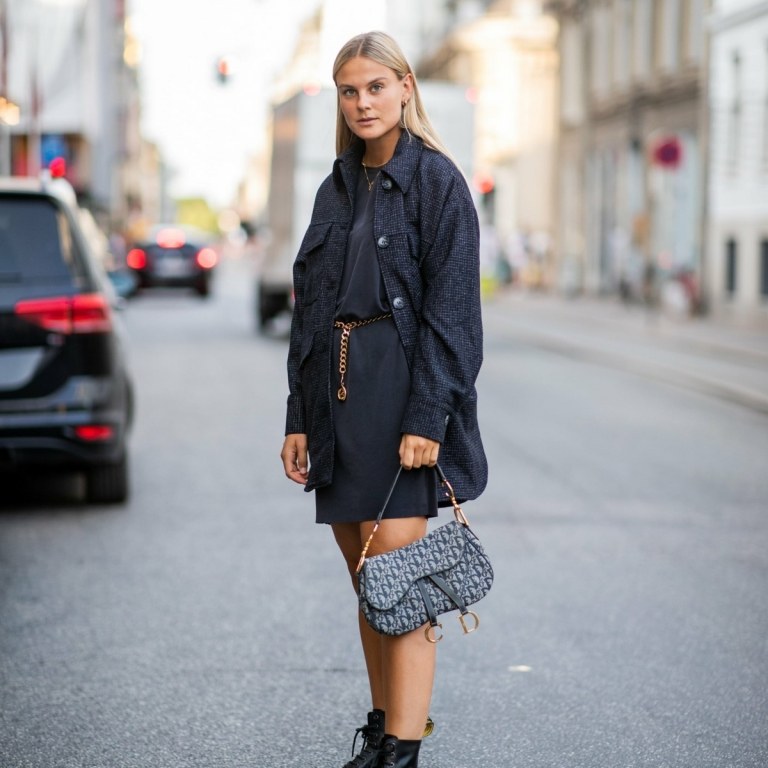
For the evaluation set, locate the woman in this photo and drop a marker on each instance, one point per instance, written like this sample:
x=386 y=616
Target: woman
x=386 y=345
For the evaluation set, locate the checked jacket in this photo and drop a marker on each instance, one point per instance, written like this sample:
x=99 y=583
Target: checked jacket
x=427 y=243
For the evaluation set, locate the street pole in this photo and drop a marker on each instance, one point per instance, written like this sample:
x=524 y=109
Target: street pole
x=9 y=116
x=705 y=249
x=5 y=135
x=5 y=141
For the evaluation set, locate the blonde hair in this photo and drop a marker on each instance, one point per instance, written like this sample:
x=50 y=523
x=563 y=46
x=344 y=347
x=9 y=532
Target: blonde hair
x=381 y=48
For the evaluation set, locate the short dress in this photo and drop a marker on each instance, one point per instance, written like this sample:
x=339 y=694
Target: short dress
x=377 y=379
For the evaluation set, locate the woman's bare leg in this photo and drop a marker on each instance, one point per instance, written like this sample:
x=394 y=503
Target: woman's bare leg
x=401 y=670
x=348 y=537
x=409 y=673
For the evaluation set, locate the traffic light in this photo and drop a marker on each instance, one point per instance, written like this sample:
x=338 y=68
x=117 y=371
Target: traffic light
x=223 y=69
x=485 y=184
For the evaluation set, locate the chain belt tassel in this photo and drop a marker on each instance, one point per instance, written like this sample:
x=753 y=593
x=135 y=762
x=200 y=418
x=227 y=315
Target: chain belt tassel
x=346 y=330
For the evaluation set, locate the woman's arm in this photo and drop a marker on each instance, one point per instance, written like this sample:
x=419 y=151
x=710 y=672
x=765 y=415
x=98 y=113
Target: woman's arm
x=449 y=347
x=294 y=421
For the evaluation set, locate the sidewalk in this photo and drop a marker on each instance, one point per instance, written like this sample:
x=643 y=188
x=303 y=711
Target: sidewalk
x=711 y=356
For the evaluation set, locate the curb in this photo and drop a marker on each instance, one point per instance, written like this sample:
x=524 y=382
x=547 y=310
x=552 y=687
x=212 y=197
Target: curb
x=590 y=350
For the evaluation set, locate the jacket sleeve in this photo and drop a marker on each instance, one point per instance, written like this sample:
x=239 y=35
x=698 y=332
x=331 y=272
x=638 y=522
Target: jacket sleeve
x=295 y=420
x=304 y=300
x=449 y=348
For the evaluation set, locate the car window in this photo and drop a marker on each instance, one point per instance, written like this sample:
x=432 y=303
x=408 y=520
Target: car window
x=36 y=242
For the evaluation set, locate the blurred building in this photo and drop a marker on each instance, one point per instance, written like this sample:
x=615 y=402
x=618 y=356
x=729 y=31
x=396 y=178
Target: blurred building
x=71 y=68
x=322 y=35
x=309 y=68
x=505 y=52
x=631 y=161
x=737 y=277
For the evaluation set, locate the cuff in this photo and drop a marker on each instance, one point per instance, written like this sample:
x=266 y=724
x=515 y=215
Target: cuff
x=295 y=422
x=426 y=419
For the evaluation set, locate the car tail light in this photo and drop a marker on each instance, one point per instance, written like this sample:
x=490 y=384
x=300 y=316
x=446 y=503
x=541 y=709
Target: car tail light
x=88 y=313
x=206 y=258
x=94 y=433
x=136 y=258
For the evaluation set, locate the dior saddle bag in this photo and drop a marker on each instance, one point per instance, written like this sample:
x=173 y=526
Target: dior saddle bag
x=446 y=570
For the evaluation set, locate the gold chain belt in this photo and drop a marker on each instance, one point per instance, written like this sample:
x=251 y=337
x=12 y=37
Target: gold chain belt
x=346 y=329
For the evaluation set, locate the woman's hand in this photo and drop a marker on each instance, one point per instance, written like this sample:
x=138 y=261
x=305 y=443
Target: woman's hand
x=417 y=451
x=294 y=456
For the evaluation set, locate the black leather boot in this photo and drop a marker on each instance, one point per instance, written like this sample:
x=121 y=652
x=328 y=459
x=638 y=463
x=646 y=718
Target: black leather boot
x=372 y=733
x=399 y=753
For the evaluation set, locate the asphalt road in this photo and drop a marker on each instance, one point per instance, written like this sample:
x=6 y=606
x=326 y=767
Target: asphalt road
x=210 y=622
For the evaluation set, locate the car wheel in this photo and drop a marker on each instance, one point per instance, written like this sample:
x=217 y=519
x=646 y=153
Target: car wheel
x=203 y=289
x=108 y=484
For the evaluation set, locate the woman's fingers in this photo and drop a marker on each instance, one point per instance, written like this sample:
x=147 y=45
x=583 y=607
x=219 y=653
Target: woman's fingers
x=294 y=456
x=417 y=451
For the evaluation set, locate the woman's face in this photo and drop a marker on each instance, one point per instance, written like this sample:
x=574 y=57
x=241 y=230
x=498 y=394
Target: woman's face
x=371 y=96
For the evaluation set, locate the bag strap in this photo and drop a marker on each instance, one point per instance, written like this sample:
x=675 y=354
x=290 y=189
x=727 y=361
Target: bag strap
x=457 y=511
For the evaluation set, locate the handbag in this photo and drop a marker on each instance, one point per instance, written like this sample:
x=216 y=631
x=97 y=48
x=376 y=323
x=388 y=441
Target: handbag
x=444 y=571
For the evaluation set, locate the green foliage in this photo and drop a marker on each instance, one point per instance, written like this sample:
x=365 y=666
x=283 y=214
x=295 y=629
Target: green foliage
x=196 y=212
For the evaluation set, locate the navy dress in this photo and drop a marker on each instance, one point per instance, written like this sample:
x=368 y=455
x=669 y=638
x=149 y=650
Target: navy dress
x=367 y=423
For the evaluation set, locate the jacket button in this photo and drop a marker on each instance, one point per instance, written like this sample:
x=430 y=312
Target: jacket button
x=386 y=184
x=383 y=241
x=398 y=302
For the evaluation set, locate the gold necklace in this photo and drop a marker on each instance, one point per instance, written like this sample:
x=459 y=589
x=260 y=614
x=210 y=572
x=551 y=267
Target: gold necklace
x=370 y=183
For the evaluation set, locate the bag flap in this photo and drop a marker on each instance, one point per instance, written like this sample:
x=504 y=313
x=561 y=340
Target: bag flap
x=386 y=578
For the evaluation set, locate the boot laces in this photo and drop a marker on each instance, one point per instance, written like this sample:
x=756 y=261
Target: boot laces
x=369 y=751
x=388 y=754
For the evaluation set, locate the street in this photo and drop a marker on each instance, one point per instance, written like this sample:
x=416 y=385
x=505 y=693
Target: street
x=210 y=623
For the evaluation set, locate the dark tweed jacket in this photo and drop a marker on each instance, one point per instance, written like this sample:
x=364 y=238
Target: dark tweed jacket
x=426 y=234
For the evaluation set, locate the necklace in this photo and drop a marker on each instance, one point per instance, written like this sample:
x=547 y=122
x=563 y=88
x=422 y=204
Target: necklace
x=370 y=183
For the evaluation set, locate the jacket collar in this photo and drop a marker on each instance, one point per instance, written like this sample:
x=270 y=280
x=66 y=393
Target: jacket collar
x=401 y=168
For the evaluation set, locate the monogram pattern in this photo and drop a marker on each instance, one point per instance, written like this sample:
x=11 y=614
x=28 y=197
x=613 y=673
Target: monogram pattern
x=389 y=597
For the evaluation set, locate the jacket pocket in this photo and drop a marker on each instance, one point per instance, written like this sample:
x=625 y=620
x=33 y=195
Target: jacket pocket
x=314 y=237
x=310 y=252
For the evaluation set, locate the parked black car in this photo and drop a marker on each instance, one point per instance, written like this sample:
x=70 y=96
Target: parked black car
x=174 y=256
x=66 y=398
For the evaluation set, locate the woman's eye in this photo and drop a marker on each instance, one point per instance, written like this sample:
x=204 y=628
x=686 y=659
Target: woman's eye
x=376 y=87
x=347 y=92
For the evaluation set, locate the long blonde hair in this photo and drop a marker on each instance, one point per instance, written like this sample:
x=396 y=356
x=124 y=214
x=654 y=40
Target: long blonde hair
x=381 y=48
